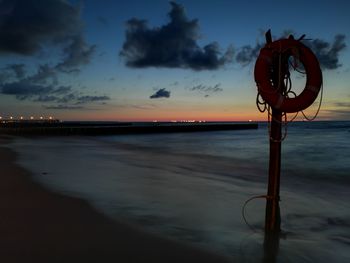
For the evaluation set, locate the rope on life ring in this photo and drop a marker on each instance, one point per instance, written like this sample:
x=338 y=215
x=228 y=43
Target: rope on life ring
x=274 y=96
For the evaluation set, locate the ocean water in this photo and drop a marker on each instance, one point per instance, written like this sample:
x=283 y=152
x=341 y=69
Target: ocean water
x=191 y=187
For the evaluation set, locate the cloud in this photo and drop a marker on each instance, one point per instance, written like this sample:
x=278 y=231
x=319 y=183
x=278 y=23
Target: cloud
x=47 y=98
x=173 y=45
x=4 y=76
x=73 y=98
x=67 y=98
x=161 y=93
x=77 y=53
x=328 y=52
x=339 y=110
x=31 y=87
x=62 y=90
x=343 y=105
x=29 y=26
x=338 y=114
x=17 y=69
x=248 y=54
x=42 y=86
x=44 y=74
x=62 y=107
x=23 y=90
x=207 y=89
x=87 y=99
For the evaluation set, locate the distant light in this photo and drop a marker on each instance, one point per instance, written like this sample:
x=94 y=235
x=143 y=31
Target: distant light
x=11 y=117
x=41 y=117
x=50 y=118
x=250 y=120
x=31 y=117
x=21 y=117
x=0 y=118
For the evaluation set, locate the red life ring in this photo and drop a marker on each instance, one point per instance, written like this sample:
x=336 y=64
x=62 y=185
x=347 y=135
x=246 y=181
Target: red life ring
x=262 y=75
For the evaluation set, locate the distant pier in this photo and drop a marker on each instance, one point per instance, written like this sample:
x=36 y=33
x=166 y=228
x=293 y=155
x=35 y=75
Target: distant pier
x=58 y=128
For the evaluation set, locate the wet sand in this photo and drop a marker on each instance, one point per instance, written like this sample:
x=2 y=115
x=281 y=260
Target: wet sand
x=40 y=226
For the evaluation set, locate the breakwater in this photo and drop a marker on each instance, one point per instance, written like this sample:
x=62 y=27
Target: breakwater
x=111 y=128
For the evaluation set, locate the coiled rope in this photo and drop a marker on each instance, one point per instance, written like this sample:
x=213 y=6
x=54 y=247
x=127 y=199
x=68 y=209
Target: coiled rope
x=263 y=106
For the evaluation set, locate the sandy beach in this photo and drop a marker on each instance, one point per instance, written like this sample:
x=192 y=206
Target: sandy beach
x=40 y=226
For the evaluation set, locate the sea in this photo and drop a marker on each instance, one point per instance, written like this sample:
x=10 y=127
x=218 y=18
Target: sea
x=193 y=187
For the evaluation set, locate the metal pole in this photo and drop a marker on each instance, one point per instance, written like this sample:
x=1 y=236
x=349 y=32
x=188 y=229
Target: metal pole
x=272 y=213
x=272 y=216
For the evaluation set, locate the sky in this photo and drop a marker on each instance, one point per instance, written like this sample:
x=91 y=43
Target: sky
x=159 y=60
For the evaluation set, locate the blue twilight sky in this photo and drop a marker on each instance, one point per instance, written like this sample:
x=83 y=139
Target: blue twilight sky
x=159 y=60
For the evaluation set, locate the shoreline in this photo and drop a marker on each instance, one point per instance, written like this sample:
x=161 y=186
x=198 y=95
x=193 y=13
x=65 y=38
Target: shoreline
x=37 y=225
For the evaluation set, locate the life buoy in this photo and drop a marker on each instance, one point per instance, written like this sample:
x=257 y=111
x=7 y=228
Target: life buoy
x=262 y=75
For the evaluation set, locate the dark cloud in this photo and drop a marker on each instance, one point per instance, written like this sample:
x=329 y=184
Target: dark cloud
x=42 y=86
x=73 y=98
x=47 y=98
x=343 y=105
x=42 y=93
x=41 y=83
x=77 y=53
x=88 y=99
x=161 y=93
x=338 y=114
x=328 y=52
x=67 y=98
x=44 y=74
x=18 y=70
x=23 y=90
x=62 y=90
x=27 y=26
x=74 y=102
x=248 y=54
x=4 y=76
x=173 y=45
x=63 y=107
x=207 y=89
